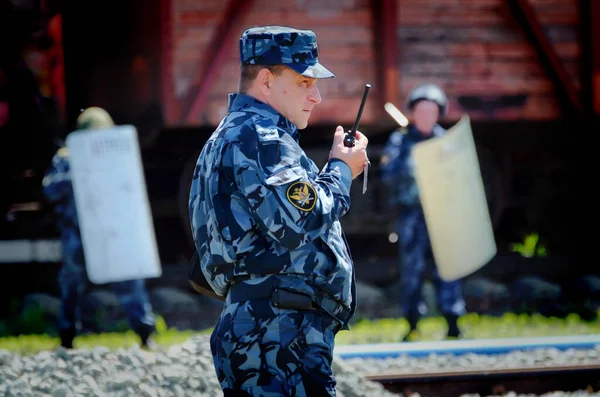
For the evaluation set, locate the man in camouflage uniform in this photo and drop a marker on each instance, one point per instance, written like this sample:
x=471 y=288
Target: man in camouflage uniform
x=72 y=276
x=427 y=102
x=266 y=225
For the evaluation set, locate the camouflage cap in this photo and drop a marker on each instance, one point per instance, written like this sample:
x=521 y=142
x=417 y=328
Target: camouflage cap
x=280 y=45
x=94 y=118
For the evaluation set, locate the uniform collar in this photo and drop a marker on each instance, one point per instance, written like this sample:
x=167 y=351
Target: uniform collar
x=239 y=102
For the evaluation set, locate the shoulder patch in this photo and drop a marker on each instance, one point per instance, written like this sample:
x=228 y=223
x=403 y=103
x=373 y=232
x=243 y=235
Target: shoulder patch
x=266 y=131
x=63 y=152
x=302 y=196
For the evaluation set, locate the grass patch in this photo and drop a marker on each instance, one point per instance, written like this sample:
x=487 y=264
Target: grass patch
x=473 y=326
x=32 y=344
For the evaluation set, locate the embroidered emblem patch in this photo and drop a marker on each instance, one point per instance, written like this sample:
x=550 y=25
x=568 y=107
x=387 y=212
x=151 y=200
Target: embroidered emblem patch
x=302 y=196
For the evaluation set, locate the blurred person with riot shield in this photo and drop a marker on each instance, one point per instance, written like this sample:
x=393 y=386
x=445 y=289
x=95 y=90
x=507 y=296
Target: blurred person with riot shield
x=427 y=103
x=132 y=294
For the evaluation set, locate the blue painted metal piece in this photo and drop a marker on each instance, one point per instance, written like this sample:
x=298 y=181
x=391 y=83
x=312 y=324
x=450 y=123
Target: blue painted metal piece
x=459 y=347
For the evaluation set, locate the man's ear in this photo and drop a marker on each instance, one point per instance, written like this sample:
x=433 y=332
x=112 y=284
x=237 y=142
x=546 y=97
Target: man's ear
x=264 y=80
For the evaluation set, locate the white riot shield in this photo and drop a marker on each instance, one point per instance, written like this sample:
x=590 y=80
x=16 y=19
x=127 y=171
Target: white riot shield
x=454 y=202
x=114 y=214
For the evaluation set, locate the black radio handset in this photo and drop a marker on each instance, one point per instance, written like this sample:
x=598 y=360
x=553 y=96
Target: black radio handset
x=350 y=138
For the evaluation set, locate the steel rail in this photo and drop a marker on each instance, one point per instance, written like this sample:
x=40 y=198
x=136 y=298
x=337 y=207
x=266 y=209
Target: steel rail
x=485 y=382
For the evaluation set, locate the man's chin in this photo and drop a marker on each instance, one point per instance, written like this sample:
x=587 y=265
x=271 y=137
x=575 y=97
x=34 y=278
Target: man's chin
x=301 y=124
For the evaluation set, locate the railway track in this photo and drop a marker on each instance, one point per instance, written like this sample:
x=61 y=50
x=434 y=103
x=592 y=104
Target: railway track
x=523 y=380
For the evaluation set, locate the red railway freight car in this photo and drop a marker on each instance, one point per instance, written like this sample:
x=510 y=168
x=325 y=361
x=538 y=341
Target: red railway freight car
x=525 y=71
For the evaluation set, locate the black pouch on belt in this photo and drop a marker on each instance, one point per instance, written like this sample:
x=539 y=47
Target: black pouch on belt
x=291 y=300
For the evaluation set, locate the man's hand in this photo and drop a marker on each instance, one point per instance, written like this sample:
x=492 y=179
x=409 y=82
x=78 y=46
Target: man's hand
x=355 y=157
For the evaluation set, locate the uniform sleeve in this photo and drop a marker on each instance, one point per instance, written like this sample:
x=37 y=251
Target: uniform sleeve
x=397 y=171
x=57 y=180
x=291 y=207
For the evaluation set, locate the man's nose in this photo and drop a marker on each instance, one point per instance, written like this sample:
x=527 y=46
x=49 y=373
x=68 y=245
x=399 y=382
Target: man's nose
x=314 y=95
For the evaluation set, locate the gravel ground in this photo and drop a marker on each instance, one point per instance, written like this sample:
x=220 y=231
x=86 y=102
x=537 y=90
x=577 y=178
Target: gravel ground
x=187 y=370
x=182 y=370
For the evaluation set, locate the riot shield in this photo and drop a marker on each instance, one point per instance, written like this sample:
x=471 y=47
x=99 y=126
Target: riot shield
x=454 y=202
x=115 y=219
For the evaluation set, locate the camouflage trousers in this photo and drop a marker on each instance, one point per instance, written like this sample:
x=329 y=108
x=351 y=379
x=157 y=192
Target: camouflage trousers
x=132 y=295
x=417 y=261
x=261 y=350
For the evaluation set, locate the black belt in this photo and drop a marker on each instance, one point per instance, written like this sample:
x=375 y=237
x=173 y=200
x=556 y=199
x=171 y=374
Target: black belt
x=280 y=297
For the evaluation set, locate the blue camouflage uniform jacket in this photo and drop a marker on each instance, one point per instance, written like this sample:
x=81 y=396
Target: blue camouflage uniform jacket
x=397 y=165
x=58 y=190
x=262 y=213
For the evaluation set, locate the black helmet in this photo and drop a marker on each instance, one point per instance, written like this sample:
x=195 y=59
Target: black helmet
x=429 y=92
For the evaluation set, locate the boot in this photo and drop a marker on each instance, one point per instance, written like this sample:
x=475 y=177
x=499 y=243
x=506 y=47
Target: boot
x=145 y=332
x=66 y=337
x=453 y=330
x=413 y=333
